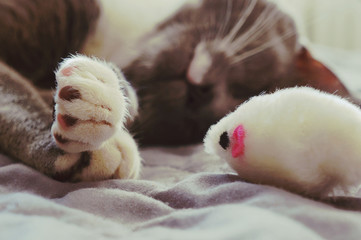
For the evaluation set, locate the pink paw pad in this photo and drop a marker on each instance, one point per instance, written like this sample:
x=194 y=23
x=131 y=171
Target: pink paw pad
x=67 y=71
x=238 y=137
x=68 y=93
x=66 y=121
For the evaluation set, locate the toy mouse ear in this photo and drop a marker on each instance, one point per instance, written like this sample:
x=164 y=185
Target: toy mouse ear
x=313 y=73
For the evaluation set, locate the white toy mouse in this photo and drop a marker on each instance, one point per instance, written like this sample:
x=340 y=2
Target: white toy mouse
x=299 y=139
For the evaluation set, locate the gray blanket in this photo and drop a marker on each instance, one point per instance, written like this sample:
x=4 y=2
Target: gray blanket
x=183 y=194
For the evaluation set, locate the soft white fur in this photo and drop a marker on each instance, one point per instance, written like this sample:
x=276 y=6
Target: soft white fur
x=297 y=137
x=102 y=99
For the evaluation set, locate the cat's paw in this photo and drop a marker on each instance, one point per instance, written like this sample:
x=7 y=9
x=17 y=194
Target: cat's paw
x=117 y=158
x=90 y=104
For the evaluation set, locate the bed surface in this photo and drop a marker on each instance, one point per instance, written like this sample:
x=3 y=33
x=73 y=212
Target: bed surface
x=183 y=194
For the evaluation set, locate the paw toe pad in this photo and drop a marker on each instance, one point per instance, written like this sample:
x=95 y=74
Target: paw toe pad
x=69 y=93
x=61 y=139
x=67 y=71
x=66 y=120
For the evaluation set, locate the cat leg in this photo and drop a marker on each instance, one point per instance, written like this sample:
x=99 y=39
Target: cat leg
x=25 y=121
x=92 y=103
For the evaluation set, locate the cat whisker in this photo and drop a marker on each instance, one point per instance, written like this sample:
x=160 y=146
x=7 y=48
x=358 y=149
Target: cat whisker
x=248 y=36
x=225 y=43
x=244 y=14
x=262 y=47
x=227 y=18
x=265 y=21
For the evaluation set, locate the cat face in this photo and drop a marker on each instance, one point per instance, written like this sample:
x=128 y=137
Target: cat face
x=204 y=61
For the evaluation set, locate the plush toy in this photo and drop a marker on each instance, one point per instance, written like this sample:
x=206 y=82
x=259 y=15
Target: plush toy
x=299 y=139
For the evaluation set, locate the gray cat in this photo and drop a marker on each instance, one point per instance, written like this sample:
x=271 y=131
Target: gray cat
x=190 y=71
x=205 y=60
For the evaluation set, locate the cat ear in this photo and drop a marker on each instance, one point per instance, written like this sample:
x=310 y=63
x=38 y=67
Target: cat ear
x=313 y=73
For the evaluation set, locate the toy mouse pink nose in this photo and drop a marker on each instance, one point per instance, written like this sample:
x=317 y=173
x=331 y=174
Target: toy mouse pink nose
x=238 y=137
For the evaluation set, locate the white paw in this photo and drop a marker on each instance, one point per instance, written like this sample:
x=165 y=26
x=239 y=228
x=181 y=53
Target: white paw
x=117 y=158
x=90 y=104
